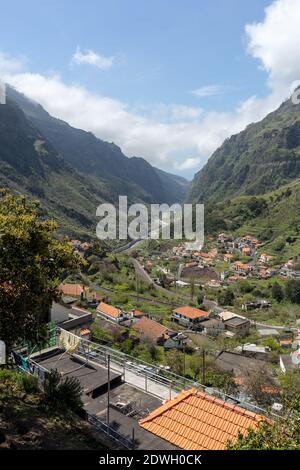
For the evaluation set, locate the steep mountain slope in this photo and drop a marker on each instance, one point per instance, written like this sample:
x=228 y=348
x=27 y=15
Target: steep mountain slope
x=274 y=218
x=133 y=177
x=175 y=186
x=263 y=157
x=29 y=164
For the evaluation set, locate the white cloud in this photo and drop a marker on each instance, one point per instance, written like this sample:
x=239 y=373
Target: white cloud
x=92 y=58
x=209 y=90
x=163 y=143
x=276 y=43
x=169 y=112
x=188 y=164
x=166 y=134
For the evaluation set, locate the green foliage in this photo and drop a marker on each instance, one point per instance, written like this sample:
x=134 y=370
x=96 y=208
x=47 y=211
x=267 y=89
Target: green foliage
x=200 y=299
x=246 y=287
x=226 y=297
x=127 y=346
x=220 y=380
x=271 y=343
x=277 y=292
x=100 y=334
x=62 y=393
x=267 y=437
x=31 y=261
x=292 y=290
x=13 y=383
x=284 y=432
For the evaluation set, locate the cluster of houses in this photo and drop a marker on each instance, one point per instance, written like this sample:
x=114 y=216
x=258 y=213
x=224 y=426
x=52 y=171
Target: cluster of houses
x=288 y=270
x=80 y=247
x=189 y=318
x=258 y=265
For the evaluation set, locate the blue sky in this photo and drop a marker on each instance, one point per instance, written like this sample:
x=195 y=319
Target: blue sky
x=155 y=60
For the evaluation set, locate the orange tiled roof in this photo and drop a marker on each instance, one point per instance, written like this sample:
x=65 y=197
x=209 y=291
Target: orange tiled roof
x=191 y=312
x=84 y=331
x=108 y=310
x=150 y=328
x=137 y=313
x=195 y=420
x=240 y=265
x=204 y=255
x=71 y=289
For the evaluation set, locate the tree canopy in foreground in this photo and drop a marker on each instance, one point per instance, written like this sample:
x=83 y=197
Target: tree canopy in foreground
x=31 y=261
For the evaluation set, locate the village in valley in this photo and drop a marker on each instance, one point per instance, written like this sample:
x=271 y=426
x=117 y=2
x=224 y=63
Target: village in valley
x=220 y=316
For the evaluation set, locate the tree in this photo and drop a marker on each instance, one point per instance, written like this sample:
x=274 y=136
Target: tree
x=162 y=279
x=292 y=290
x=175 y=360
x=192 y=286
x=31 y=263
x=277 y=292
x=221 y=380
x=282 y=433
x=226 y=297
x=266 y=437
x=290 y=383
x=260 y=386
x=195 y=365
x=62 y=393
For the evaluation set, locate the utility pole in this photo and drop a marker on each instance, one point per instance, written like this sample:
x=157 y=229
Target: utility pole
x=203 y=366
x=137 y=289
x=184 y=362
x=108 y=393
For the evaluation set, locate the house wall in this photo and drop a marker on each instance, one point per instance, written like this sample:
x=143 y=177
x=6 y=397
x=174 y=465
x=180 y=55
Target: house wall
x=112 y=319
x=185 y=321
x=241 y=330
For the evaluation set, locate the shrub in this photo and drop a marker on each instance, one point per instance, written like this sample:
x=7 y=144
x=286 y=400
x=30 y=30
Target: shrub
x=277 y=292
x=15 y=383
x=292 y=290
x=62 y=394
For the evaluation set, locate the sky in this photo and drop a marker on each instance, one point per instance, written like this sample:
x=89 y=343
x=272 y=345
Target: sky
x=167 y=80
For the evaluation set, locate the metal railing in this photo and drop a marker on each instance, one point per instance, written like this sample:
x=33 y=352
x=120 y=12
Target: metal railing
x=152 y=375
x=109 y=431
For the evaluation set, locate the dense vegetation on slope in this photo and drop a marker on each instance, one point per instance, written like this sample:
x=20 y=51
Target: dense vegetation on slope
x=29 y=164
x=274 y=218
x=263 y=157
x=28 y=422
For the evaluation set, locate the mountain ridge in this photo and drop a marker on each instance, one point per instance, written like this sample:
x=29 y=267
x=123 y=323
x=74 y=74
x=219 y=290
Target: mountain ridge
x=261 y=158
x=134 y=177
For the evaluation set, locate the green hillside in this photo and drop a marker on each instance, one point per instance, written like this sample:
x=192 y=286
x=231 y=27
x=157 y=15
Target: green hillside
x=274 y=218
x=263 y=157
x=30 y=165
x=134 y=177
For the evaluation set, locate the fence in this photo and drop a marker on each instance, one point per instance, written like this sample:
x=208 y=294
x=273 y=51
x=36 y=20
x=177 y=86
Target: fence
x=109 y=431
x=31 y=367
x=156 y=381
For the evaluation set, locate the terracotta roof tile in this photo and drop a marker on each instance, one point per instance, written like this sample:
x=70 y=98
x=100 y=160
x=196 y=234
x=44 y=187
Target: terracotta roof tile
x=191 y=312
x=72 y=289
x=108 y=310
x=150 y=328
x=195 y=420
